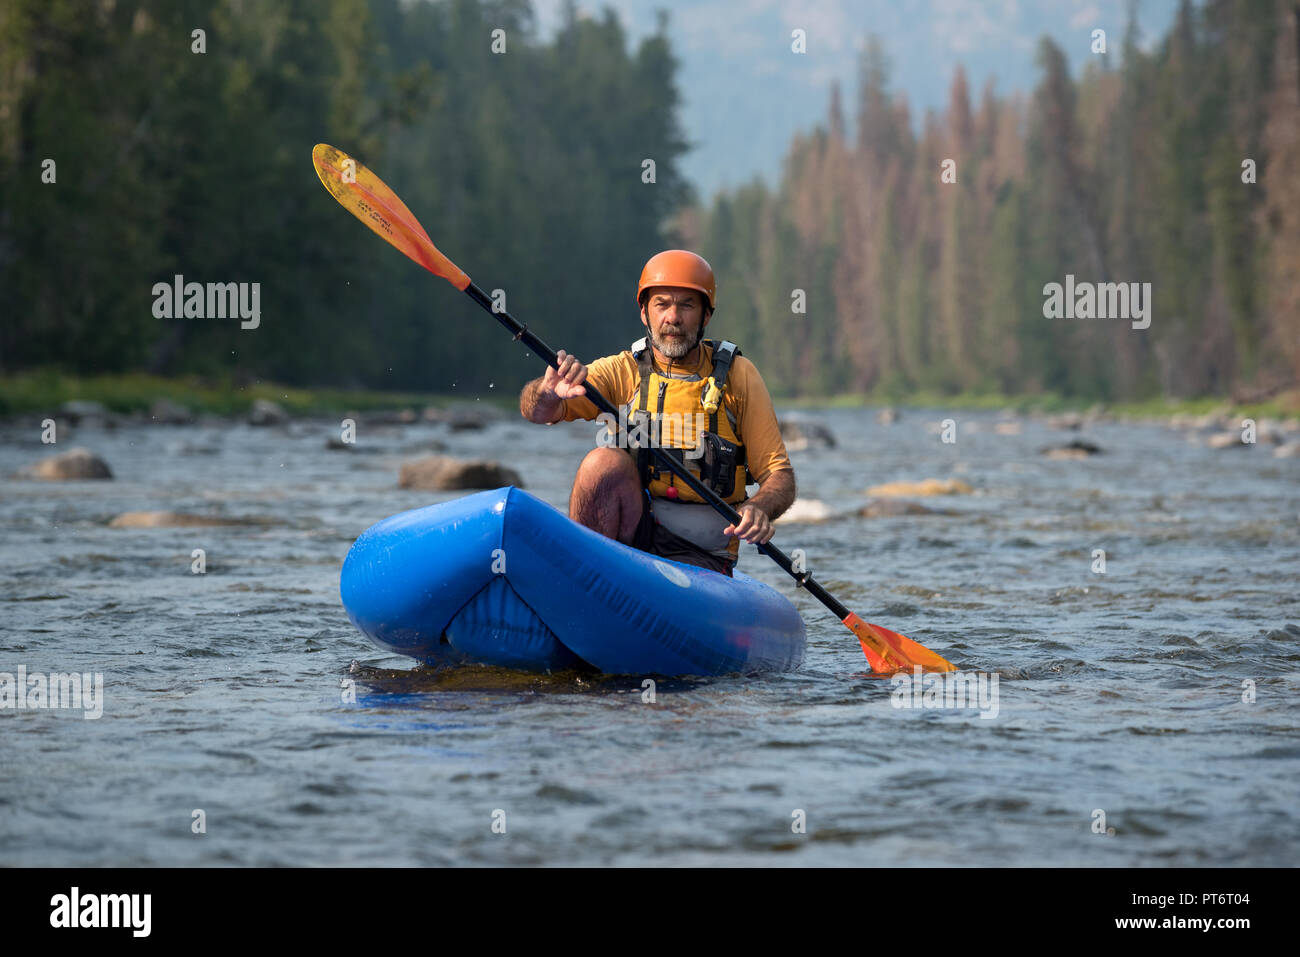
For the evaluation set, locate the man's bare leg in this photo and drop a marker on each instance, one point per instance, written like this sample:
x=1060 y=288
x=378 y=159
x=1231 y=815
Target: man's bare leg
x=607 y=494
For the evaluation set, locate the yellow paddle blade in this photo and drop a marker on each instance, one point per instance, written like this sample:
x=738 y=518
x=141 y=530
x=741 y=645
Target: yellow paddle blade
x=366 y=196
x=888 y=651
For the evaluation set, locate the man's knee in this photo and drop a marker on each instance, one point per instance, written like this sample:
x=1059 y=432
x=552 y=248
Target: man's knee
x=607 y=467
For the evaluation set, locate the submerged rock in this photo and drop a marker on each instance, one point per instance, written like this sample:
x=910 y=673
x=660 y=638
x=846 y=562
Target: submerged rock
x=75 y=464
x=441 y=473
x=924 y=488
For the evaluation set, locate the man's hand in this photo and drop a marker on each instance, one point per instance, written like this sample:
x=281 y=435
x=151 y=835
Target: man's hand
x=755 y=526
x=540 y=399
x=565 y=381
x=774 y=496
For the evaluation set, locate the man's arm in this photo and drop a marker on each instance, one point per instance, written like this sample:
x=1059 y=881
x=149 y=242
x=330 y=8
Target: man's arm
x=542 y=400
x=767 y=457
x=774 y=496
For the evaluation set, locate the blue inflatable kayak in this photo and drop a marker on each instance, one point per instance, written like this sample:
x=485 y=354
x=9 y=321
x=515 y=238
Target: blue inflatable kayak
x=501 y=578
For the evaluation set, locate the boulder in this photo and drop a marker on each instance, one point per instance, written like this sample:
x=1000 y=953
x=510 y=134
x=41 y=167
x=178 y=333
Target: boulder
x=389 y=417
x=438 y=473
x=167 y=412
x=1066 y=420
x=1270 y=431
x=471 y=416
x=1291 y=450
x=887 y=416
x=1078 y=449
x=266 y=412
x=1007 y=428
x=73 y=465
x=800 y=434
x=1227 y=440
x=924 y=488
x=895 y=507
x=170 y=520
x=77 y=410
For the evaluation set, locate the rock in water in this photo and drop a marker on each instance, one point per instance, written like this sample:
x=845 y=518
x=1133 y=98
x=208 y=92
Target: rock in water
x=438 y=473
x=806 y=510
x=1066 y=420
x=1227 y=440
x=169 y=520
x=266 y=412
x=801 y=434
x=1224 y=440
x=76 y=410
x=167 y=412
x=923 y=488
x=893 y=508
x=388 y=417
x=75 y=464
x=1078 y=449
x=887 y=416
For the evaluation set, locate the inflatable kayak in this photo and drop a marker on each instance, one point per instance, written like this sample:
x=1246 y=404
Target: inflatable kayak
x=501 y=578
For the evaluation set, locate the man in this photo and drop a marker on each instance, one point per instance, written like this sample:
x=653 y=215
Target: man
x=702 y=400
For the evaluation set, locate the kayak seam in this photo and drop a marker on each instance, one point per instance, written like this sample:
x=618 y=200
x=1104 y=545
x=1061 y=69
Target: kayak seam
x=442 y=635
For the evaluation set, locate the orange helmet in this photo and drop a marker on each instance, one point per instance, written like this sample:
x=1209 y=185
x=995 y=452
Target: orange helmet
x=678 y=267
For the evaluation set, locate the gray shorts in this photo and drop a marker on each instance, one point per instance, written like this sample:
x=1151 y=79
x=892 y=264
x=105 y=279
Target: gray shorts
x=652 y=537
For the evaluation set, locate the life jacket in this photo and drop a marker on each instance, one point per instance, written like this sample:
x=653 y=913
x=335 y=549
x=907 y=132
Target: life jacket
x=681 y=416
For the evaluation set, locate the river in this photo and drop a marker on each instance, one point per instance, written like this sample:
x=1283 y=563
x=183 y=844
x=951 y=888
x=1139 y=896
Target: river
x=1146 y=715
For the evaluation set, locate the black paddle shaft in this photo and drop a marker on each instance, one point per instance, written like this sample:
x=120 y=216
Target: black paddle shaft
x=523 y=334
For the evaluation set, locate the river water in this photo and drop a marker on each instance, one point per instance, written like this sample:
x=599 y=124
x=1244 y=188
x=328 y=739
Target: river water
x=1145 y=716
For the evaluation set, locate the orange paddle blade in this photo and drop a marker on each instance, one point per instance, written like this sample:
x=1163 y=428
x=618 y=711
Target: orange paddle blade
x=888 y=651
x=367 y=197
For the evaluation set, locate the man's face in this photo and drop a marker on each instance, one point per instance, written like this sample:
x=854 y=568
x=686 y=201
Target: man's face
x=675 y=317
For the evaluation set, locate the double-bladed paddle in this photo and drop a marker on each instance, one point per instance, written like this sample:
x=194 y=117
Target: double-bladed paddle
x=364 y=194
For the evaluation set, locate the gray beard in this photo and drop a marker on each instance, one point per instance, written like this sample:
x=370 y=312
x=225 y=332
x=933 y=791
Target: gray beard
x=677 y=349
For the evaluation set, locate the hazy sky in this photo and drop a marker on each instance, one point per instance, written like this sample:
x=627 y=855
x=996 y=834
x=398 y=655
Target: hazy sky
x=745 y=93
